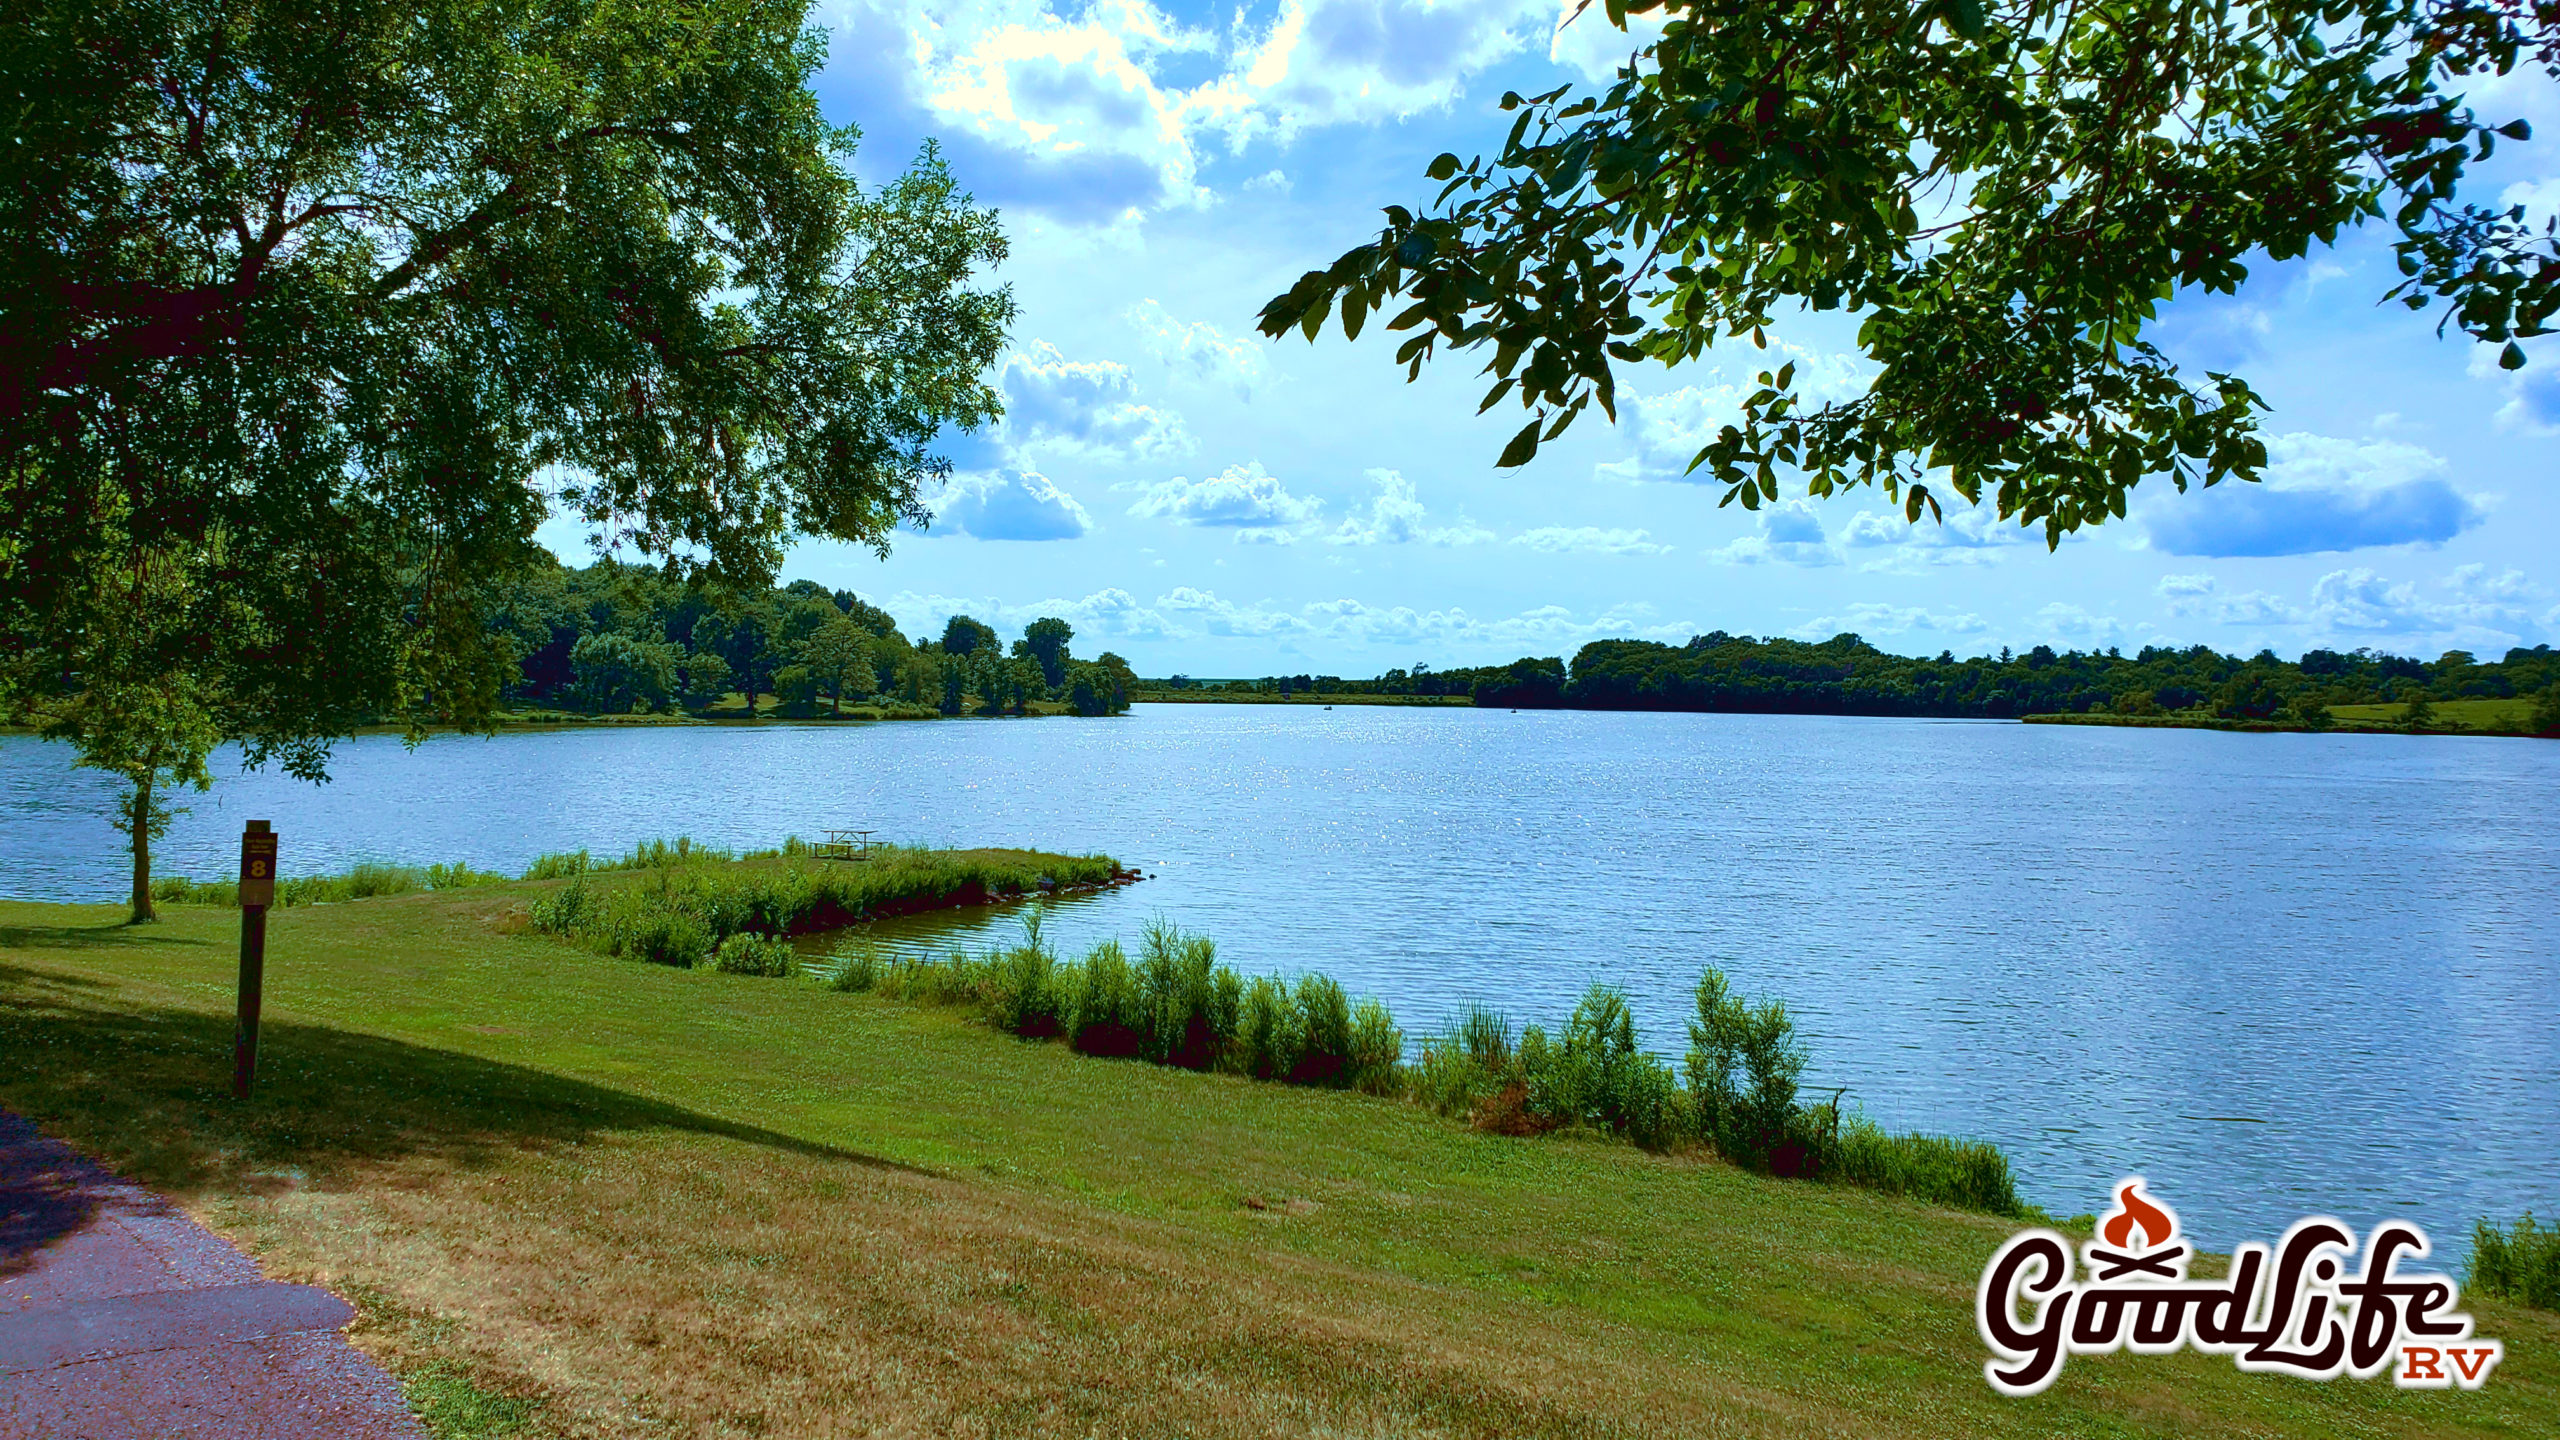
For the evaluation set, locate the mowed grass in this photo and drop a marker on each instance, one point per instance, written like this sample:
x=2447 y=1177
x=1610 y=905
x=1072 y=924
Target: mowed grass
x=589 y=1196
x=2504 y=716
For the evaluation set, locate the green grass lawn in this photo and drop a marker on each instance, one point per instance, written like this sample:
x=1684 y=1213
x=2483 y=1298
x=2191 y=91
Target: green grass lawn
x=2504 y=716
x=2453 y=717
x=588 y=1196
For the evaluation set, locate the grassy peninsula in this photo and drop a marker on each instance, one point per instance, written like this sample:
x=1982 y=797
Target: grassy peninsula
x=578 y=1195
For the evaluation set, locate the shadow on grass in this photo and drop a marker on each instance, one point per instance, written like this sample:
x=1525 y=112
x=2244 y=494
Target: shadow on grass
x=147 y=1090
x=114 y=935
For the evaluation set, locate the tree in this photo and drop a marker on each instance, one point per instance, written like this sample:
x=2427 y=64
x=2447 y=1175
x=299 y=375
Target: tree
x=964 y=636
x=704 y=680
x=1045 y=641
x=2545 y=719
x=838 y=654
x=137 y=710
x=613 y=673
x=742 y=635
x=310 y=295
x=2006 y=193
x=2420 y=712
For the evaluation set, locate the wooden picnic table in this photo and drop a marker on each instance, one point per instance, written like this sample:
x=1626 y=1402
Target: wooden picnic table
x=845 y=844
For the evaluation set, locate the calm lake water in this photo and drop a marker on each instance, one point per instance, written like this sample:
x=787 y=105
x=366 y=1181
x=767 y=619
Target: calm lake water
x=2276 y=974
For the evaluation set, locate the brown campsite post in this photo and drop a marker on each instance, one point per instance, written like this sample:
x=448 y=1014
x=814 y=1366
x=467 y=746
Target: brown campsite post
x=257 y=892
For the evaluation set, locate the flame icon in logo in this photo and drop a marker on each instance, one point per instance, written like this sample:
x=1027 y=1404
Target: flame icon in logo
x=2132 y=1210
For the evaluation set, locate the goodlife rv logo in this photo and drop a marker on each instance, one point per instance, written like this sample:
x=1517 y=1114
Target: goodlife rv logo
x=2304 y=1319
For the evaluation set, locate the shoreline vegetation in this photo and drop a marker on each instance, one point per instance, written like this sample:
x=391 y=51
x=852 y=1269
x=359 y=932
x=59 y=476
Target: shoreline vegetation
x=2197 y=687
x=585 y=1193
x=779 y=892
x=690 y=906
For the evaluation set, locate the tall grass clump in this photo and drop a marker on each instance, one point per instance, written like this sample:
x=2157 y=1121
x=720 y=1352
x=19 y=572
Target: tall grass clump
x=1173 y=1004
x=1965 y=1174
x=558 y=866
x=657 y=901
x=363 y=882
x=2520 y=1264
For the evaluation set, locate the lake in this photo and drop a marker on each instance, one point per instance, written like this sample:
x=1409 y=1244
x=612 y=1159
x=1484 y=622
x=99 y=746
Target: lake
x=2276 y=974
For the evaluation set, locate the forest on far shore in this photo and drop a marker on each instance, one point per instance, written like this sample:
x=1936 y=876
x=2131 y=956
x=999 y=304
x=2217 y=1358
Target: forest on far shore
x=616 y=639
x=1845 y=675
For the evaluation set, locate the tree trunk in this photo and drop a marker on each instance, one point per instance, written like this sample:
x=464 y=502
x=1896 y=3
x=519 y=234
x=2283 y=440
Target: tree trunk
x=141 y=820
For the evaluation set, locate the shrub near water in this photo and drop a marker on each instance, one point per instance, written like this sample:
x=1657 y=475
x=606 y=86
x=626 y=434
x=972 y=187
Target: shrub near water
x=2522 y=1264
x=680 y=903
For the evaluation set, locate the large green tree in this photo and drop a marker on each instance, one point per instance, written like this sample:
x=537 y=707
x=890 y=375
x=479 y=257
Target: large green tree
x=325 y=301
x=2005 y=192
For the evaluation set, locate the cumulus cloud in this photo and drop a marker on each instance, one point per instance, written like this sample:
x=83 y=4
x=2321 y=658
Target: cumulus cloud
x=1198 y=350
x=2533 y=393
x=1588 y=540
x=2471 y=606
x=1789 y=533
x=1085 y=406
x=1668 y=430
x=2320 y=494
x=1244 y=498
x=1395 y=516
x=1114 y=106
x=1877 y=619
x=1549 y=627
x=1014 y=505
x=1360 y=61
x=1975 y=535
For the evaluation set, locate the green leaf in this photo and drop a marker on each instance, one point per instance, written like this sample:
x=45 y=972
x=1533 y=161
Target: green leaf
x=2511 y=358
x=1965 y=18
x=1522 y=448
x=1442 y=166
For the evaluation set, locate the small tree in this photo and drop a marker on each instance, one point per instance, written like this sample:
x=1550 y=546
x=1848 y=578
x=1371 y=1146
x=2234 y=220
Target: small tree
x=2421 y=711
x=2545 y=719
x=705 y=678
x=1045 y=641
x=838 y=654
x=138 y=708
x=1743 y=1067
x=615 y=672
x=155 y=736
x=964 y=636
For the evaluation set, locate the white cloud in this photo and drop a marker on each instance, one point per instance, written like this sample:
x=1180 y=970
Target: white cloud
x=1669 y=429
x=1877 y=619
x=1244 y=498
x=1396 y=517
x=1362 y=61
x=1083 y=406
x=2321 y=494
x=1198 y=350
x=1551 y=627
x=1130 y=99
x=1017 y=505
x=1586 y=42
x=2533 y=393
x=1589 y=540
x=1974 y=535
x=2471 y=607
x=1789 y=533
x=2076 y=626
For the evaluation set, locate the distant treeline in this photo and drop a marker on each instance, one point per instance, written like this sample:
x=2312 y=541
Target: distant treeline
x=615 y=639
x=1845 y=675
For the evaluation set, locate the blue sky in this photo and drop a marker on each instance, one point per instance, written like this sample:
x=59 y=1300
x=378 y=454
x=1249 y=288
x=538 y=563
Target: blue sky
x=1203 y=500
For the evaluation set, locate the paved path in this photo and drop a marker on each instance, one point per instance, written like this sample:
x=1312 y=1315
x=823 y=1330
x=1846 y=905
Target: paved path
x=122 y=1319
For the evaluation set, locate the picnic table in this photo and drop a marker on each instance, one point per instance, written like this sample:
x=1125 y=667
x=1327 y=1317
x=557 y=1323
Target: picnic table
x=845 y=844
